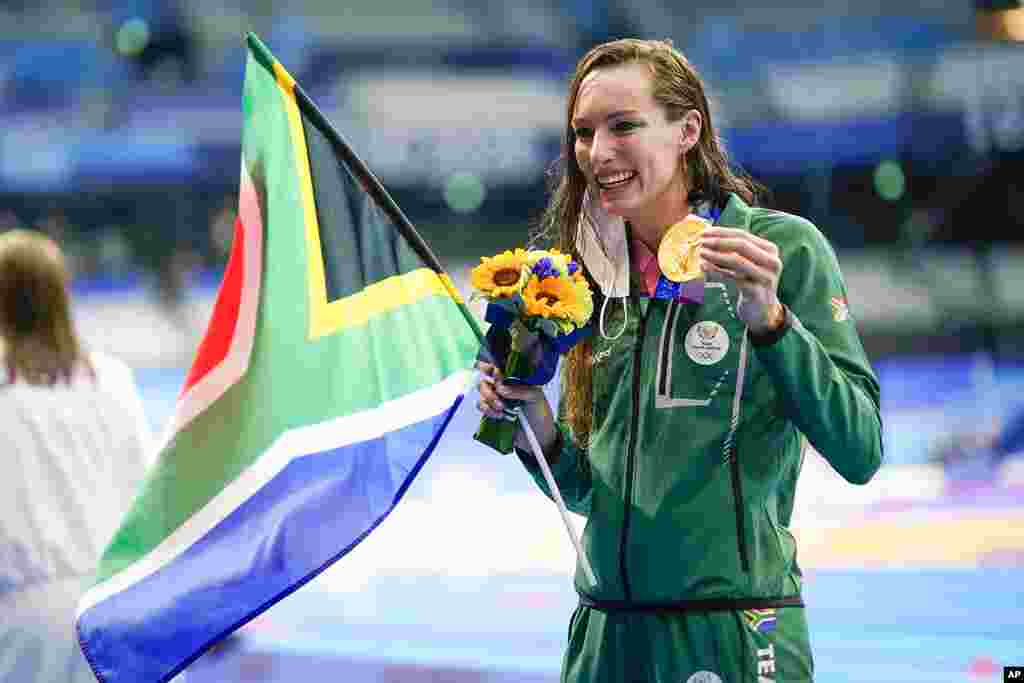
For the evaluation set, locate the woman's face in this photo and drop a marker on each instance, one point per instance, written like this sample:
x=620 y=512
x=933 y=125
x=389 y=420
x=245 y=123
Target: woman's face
x=631 y=156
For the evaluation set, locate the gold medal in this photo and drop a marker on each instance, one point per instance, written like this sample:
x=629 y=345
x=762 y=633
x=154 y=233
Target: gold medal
x=677 y=253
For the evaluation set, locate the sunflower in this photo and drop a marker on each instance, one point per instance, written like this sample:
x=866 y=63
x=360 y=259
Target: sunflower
x=584 y=299
x=552 y=297
x=500 y=276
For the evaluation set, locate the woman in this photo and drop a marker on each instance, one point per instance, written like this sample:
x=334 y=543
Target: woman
x=681 y=424
x=73 y=441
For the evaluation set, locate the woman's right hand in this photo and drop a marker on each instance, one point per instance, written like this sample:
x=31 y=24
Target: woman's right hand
x=494 y=393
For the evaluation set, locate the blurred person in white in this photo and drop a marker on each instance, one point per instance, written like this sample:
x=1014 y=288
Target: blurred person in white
x=73 y=443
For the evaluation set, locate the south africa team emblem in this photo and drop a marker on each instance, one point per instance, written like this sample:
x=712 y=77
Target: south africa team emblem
x=760 y=620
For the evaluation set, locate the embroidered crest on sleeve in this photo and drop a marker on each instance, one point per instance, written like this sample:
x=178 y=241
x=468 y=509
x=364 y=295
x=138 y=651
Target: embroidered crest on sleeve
x=840 y=309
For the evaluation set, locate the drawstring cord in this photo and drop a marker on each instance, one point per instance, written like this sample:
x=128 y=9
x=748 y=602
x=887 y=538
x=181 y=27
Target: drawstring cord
x=625 y=319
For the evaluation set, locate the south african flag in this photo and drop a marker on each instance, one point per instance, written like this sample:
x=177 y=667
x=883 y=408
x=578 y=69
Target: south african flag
x=335 y=356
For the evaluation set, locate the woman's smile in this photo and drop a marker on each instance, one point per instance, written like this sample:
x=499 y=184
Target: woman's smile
x=615 y=181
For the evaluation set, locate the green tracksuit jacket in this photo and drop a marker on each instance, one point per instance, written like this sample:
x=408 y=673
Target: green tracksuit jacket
x=689 y=478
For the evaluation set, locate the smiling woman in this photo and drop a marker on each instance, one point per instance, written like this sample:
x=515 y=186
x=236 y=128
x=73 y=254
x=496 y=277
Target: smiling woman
x=628 y=148
x=681 y=427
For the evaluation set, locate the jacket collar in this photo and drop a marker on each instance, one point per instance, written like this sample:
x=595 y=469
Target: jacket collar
x=736 y=214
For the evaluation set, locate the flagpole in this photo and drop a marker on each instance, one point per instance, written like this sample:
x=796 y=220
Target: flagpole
x=538 y=453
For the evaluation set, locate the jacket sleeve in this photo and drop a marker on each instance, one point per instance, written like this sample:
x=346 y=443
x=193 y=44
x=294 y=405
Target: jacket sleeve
x=822 y=376
x=571 y=472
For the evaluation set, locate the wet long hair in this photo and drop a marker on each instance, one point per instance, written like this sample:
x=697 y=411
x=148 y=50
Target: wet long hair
x=39 y=344
x=678 y=88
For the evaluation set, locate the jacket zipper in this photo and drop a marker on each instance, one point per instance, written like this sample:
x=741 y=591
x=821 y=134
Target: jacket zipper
x=666 y=344
x=737 y=494
x=734 y=460
x=631 y=455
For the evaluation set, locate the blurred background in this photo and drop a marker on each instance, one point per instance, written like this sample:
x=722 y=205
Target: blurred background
x=897 y=127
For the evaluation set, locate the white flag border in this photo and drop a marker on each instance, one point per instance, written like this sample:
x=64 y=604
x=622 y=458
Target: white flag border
x=305 y=441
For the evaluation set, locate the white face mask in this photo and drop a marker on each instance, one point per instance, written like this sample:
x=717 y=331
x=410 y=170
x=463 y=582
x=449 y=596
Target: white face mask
x=601 y=241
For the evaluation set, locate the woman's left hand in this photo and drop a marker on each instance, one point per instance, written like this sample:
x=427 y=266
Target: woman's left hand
x=751 y=262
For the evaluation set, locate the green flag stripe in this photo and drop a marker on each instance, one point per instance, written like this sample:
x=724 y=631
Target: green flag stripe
x=258 y=50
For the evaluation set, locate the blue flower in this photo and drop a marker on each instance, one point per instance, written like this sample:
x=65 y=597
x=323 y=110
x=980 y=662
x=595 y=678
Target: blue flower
x=573 y=267
x=545 y=268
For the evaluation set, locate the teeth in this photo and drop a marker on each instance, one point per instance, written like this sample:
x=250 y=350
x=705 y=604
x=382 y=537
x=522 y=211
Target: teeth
x=615 y=178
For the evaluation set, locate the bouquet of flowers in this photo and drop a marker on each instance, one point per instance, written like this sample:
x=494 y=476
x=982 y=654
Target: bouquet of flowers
x=538 y=301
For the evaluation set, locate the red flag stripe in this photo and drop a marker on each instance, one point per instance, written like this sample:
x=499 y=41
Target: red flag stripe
x=223 y=355
x=215 y=345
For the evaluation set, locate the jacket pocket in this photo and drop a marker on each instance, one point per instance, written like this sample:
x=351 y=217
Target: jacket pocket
x=698 y=356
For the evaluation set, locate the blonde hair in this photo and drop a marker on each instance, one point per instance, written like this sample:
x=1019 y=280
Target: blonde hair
x=678 y=88
x=40 y=344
